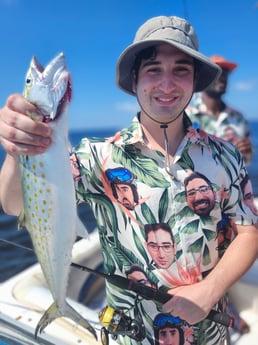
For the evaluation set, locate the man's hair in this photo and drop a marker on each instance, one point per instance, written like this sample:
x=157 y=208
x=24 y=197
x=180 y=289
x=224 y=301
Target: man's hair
x=157 y=226
x=135 y=268
x=244 y=182
x=195 y=175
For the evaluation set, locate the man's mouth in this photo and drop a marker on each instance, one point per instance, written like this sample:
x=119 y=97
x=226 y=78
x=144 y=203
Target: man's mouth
x=166 y=100
x=201 y=203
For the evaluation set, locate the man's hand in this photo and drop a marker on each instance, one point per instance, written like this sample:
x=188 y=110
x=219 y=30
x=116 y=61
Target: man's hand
x=19 y=134
x=191 y=303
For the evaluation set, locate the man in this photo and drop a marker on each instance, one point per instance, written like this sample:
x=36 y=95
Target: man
x=211 y=113
x=160 y=244
x=162 y=68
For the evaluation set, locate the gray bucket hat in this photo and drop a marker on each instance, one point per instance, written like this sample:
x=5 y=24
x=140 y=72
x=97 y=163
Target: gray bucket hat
x=159 y=30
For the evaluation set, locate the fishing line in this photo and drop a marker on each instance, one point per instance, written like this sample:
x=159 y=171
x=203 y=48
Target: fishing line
x=16 y=244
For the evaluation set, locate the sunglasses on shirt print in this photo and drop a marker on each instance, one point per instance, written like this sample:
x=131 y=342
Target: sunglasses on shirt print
x=120 y=175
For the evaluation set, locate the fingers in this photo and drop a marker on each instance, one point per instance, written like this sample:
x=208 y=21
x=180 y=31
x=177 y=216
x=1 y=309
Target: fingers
x=19 y=134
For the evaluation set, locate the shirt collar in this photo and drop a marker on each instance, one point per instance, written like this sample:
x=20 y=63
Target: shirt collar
x=134 y=134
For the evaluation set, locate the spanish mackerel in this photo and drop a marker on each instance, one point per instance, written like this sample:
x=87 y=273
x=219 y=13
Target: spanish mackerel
x=50 y=213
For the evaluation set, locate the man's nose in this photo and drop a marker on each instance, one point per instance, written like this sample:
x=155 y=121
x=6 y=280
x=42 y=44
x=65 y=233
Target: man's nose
x=167 y=82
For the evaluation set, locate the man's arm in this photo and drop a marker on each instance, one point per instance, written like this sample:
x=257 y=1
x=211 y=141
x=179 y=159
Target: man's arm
x=193 y=302
x=19 y=134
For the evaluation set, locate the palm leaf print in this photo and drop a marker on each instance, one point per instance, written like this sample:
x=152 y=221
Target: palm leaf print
x=146 y=169
x=196 y=246
x=191 y=227
x=163 y=206
x=206 y=259
x=140 y=247
x=147 y=214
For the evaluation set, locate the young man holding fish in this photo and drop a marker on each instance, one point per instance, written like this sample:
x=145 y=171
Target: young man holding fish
x=158 y=151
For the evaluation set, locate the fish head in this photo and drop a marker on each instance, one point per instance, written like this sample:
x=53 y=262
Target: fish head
x=48 y=88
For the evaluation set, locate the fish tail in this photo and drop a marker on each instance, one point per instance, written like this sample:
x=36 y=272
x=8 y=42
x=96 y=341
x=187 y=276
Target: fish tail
x=71 y=313
x=54 y=312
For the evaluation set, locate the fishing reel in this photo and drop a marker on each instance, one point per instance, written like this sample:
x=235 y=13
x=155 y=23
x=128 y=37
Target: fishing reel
x=116 y=322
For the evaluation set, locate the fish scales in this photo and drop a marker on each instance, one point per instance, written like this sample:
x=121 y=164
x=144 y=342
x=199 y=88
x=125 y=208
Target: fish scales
x=50 y=213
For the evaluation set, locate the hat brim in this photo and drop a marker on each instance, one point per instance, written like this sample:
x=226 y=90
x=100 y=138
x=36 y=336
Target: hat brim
x=208 y=71
x=230 y=66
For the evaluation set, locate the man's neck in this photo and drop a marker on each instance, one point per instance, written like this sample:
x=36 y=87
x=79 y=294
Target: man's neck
x=154 y=137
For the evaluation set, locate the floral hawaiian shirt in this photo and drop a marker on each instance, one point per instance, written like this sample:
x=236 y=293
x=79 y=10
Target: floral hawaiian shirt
x=157 y=225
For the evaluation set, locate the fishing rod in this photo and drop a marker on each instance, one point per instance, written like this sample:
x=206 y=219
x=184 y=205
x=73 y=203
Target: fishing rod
x=140 y=289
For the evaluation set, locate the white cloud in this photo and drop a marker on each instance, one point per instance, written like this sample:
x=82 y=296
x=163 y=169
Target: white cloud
x=129 y=107
x=245 y=85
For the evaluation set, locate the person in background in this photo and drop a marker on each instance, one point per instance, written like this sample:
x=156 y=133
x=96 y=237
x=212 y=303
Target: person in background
x=209 y=111
x=162 y=68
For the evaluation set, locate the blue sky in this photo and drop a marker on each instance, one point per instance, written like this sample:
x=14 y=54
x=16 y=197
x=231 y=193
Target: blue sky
x=93 y=33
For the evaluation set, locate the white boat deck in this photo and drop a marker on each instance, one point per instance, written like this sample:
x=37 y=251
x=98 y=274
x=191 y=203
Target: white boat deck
x=25 y=297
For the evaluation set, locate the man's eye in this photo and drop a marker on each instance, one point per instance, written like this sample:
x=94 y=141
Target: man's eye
x=153 y=70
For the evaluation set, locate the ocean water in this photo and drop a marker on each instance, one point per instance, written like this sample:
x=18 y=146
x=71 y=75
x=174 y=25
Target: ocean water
x=14 y=259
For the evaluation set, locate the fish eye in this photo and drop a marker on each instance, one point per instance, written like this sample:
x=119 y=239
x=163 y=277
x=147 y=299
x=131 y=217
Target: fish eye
x=28 y=81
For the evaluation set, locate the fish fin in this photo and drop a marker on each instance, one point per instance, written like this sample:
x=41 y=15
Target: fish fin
x=80 y=229
x=53 y=312
x=21 y=220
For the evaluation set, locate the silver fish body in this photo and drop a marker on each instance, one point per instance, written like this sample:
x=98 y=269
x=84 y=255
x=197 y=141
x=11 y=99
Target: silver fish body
x=50 y=213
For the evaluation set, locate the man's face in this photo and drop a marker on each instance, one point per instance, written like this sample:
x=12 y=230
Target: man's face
x=200 y=197
x=125 y=195
x=139 y=277
x=219 y=87
x=161 y=248
x=169 y=336
x=165 y=83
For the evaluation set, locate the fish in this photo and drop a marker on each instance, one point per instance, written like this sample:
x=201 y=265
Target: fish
x=50 y=213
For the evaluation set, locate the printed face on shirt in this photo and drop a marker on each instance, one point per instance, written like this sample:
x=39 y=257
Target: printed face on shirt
x=249 y=197
x=169 y=330
x=139 y=277
x=200 y=197
x=125 y=195
x=161 y=248
x=75 y=167
x=169 y=336
x=165 y=83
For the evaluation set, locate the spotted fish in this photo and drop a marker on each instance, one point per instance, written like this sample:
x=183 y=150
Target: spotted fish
x=49 y=212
